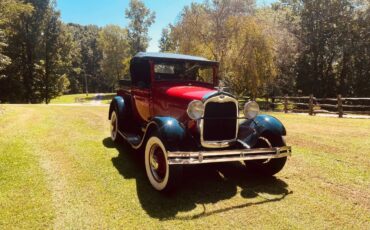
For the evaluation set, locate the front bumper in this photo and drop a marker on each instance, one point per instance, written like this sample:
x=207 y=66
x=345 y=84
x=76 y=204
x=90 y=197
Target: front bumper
x=204 y=157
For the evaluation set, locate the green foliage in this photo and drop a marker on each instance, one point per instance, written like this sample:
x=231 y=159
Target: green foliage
x=227 y=32
x=41 y=58
x=141 y=18
x=320 y=47
x=37 y=48
x=166 y=44
x=285 y=46
x=87 y=74
x=250 y=59
x=294 y=46
x=10 y=10
x=113 y=42
x=335 y=47
x=63 y=84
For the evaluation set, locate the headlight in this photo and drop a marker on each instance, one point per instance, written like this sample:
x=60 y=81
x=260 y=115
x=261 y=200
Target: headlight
x=195 y=109
x=251 y=109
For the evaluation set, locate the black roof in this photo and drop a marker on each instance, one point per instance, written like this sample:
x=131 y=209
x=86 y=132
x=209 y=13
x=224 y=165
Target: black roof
x=171 y=56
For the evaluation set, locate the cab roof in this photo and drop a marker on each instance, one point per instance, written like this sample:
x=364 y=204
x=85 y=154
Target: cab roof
x=171 y=56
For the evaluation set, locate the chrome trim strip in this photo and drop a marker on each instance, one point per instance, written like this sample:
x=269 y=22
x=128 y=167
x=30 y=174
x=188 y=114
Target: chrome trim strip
x=224 y=143
x=204 y=157
x=122 y=134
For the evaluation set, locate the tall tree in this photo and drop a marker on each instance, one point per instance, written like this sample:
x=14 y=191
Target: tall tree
x=226 y=31
x=23 y=46
x=279 y=25
x=86 y=75
x=38 y=53
x=141 y=18
x=360 y=47
x=115 y=48
x=166 y=43
x=250 y=58
x=331 y=33
x=10 y=10
x=55 y=58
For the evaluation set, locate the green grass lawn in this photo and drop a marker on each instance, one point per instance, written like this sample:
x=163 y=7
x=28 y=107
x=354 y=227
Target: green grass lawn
x=59 y=169
x=82 y=98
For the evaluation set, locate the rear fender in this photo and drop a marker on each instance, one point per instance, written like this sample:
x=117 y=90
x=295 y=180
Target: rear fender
x=118 y=103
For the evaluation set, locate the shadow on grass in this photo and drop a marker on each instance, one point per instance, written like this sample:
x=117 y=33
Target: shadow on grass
x=201 y=185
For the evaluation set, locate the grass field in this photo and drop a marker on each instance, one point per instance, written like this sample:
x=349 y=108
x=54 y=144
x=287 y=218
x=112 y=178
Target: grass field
x=59 y=169
x=82 y=98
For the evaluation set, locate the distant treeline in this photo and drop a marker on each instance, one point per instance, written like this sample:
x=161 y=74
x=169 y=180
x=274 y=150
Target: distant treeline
x=319 y=47
x=41 y=57
x=293 y=47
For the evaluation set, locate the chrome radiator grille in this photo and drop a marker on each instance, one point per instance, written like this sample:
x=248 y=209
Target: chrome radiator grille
x=220 y=121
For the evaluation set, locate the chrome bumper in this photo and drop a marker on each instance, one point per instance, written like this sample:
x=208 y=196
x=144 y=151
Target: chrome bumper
x=204 y=157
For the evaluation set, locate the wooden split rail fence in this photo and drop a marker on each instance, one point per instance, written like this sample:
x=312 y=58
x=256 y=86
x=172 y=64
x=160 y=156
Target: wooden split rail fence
x=312 y=105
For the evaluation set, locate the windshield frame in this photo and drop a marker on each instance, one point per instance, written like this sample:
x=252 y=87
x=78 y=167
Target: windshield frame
x=212 y=66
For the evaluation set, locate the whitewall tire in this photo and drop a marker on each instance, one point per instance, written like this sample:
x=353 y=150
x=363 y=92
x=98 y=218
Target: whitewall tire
x=114 y=126
x=156 y=164
x=162 y=176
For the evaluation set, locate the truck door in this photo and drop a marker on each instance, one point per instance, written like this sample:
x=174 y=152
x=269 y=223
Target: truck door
x=141 y=90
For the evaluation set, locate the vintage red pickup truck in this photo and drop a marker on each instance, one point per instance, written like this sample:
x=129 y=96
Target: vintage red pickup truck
x=173 y=110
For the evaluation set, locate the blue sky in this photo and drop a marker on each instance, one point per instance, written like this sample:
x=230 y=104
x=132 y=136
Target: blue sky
x=101 y=13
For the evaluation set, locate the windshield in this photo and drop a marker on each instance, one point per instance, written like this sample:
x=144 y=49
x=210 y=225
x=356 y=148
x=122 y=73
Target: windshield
x=183 y=71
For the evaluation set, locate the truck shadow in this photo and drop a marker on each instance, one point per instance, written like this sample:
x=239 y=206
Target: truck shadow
x=201 y=185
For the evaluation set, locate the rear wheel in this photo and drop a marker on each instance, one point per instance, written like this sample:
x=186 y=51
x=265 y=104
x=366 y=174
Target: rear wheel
x=115 y=136
x=162 y=176
x=266 y=167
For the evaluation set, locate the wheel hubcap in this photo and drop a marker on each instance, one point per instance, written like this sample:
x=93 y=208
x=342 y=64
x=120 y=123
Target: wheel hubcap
x=157 y=162
x=113 y=126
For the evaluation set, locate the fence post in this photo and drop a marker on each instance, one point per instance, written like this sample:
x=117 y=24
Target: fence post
x=267 y=103
x=286 y=103
x=310 y=105
x=340 y=106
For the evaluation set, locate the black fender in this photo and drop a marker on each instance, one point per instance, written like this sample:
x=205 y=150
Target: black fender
x=251 y=129
x=170 y=130
x=118 y=103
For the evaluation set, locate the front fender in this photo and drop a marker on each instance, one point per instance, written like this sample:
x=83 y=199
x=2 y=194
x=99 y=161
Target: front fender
x=250 y=130
x=170 y=130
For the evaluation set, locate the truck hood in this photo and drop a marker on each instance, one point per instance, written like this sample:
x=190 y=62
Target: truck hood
x=189 y=92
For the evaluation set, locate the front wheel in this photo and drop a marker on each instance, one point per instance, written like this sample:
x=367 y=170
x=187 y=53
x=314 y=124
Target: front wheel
x=162 y=176
x=263 y=167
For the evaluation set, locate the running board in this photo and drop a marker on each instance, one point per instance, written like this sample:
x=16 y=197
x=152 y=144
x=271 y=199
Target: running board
x=132 y=139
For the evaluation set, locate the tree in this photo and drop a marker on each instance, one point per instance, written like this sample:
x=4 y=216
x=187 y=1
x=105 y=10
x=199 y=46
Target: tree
x=360 y=47
x=55 y=59
x=141 y=18
x=38 y=48
x=10 y=10
x=23 y=44
x=332 y=35
x=166 y=43
x=227 y=31
x=114 y=45
x=86 y=75
x=250 y=58
x=280 y=25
